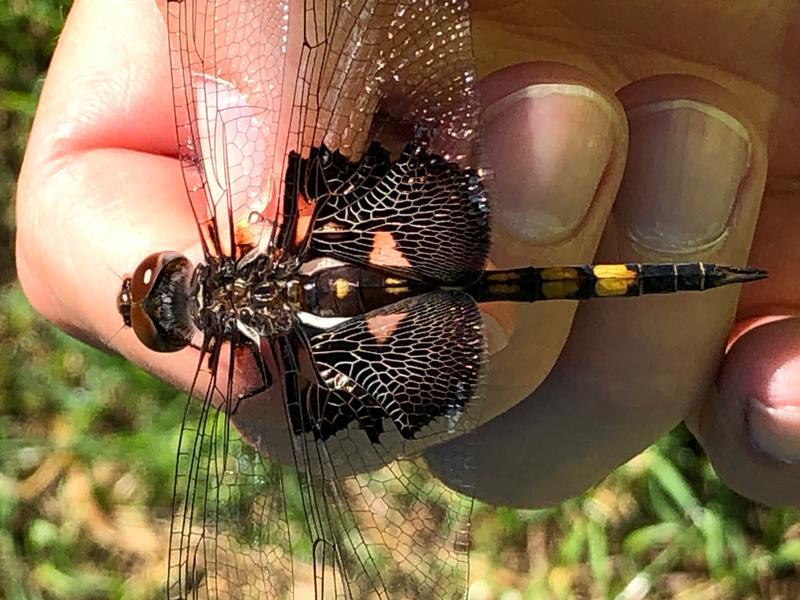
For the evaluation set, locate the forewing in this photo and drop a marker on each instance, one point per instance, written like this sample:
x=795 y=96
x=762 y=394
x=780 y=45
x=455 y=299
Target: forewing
x=255 y=80
x=230 y=534
x=228 y=66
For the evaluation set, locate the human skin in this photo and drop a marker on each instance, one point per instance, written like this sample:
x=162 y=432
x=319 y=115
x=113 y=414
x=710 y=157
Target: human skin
x=678 y=94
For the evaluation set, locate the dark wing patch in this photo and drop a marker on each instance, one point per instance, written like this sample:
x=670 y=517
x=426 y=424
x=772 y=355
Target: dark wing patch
x=414 y=362
x=419 y=216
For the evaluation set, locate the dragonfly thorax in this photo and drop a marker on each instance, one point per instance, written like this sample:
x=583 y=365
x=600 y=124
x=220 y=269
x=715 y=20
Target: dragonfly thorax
x=252 y=299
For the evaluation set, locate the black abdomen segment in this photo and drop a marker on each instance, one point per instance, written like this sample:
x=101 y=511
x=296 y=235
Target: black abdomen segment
x=348 y=291
x=531 y=284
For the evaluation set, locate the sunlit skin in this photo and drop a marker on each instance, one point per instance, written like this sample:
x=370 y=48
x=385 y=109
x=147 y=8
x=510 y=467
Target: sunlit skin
x=100 y=166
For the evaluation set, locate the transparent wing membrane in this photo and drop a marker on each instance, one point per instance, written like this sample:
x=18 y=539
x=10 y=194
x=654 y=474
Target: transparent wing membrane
x=228 y=67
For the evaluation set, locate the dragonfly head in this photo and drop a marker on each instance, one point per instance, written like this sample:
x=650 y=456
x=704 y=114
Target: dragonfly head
x=154 y=301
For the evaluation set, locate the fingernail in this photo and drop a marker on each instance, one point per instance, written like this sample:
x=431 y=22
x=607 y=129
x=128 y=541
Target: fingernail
x=775 y=424
x=548 y=146
x=686 y=162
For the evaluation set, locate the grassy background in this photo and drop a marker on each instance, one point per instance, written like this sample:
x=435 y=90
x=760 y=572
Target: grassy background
x=87 y=444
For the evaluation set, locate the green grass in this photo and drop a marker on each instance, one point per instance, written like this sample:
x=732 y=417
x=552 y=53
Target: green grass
x=86 y=462
x=28 y=30
x=87 y=445
x=661 y=525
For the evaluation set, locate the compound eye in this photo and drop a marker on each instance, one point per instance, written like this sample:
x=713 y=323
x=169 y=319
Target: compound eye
x=158 y=323
x=147 y=274
x=145 y=329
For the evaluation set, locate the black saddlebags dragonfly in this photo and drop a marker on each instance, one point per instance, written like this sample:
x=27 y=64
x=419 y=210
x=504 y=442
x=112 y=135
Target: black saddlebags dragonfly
x=329 y=150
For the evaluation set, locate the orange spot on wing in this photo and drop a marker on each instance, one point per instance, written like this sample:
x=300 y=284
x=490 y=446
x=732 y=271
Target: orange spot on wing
x=382 y=327
x=251 y=218
x=305 y=209
x=303 y=223
x=243 y=234
x=385 y=252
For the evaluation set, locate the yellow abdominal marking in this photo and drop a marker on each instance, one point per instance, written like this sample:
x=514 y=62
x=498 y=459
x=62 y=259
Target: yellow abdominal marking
x=342 y=288
x=558 y=273
x=560 y=289
x=503 y=288
x=395 y=285
x=613 y=272
x=612 y=287
x=511 y=276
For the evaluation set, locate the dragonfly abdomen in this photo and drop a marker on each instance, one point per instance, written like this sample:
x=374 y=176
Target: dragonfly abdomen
x=581 y=282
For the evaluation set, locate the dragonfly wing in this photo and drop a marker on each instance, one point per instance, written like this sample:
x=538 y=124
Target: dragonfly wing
x=393 y=533
x=228 y=66
x=256 y=81
x=418 y=363
x=418 y=216
x=389 y=383
x=230 y=535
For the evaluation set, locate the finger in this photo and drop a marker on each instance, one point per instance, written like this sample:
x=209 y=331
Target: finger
x=749 y=423
x=99 y=96
x=632 y=369
x=98 y=167
x=105 y=87
x=556 y=145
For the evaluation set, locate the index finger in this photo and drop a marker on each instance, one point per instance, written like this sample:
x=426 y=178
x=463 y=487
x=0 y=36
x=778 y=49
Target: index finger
x=101 y=160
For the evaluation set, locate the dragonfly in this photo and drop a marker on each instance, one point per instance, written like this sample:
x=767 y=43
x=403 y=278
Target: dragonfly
x=330 y=150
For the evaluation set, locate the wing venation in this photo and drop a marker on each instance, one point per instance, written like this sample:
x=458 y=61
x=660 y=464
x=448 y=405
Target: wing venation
x=419 y=216
x=255 y=83
x=417 y=363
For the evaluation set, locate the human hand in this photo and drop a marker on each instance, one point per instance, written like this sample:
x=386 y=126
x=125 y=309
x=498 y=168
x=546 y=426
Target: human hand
x=101 y=164
x=101 y=186
x=706 y=90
